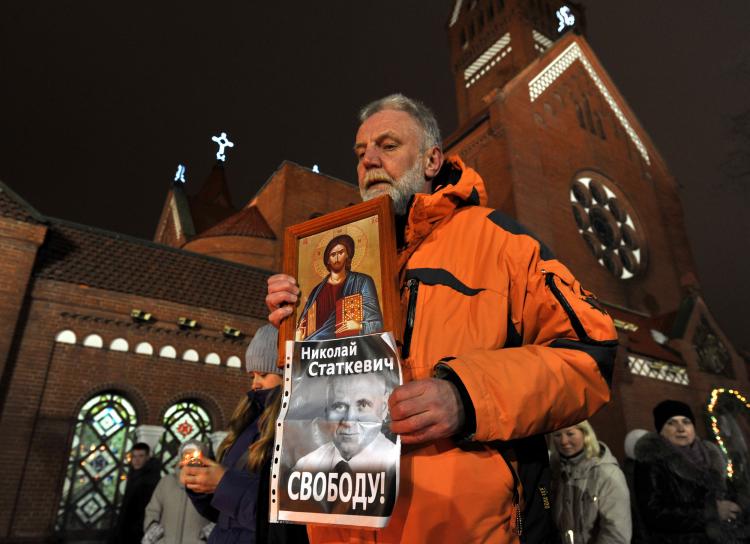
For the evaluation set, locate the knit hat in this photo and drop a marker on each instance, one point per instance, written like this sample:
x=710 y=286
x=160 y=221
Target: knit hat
x=262 y=353
x=667 y=409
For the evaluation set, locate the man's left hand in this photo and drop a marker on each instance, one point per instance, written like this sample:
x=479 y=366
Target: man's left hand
x=425 y=410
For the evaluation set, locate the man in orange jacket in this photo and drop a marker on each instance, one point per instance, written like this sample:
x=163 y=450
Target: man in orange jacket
x=501 y=345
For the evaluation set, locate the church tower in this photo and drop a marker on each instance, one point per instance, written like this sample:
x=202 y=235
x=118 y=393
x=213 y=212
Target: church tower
x=493 y=40
x=561 y=151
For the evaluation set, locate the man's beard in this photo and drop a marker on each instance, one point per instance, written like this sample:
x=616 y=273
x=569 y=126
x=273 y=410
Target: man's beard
x=400 y=190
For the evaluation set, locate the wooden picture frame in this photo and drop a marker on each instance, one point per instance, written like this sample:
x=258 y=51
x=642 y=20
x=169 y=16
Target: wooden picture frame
x=371 y=227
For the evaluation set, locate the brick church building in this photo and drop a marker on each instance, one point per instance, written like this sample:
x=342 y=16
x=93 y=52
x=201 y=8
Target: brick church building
x=108 y=339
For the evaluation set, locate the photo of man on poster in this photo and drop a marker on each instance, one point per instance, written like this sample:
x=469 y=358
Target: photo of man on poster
x=356 y=408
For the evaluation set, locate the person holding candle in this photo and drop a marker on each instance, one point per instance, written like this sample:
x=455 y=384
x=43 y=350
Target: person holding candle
x=233 y=492
x=170 y=517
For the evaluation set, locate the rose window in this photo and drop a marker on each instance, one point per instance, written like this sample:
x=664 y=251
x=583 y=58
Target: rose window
x=606 y=222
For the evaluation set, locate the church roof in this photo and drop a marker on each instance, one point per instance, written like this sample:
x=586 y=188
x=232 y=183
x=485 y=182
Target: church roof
x=247 y=222
x=15 y=207
x=643 y=340
x=212 y=204
x=106 y=260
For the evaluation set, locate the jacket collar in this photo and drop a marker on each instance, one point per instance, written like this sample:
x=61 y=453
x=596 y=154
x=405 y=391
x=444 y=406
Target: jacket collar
x=455 y=186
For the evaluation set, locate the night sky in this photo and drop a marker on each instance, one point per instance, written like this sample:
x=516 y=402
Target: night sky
x=100 y=101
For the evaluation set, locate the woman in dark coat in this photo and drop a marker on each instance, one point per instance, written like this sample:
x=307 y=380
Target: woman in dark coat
x=680 y=483
x=234 y=493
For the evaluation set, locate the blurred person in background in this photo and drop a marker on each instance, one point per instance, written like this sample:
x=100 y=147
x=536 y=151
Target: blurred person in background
x=640 y=536
x=591 y=502
x=170 y=516
x=143 y=476
x=680 y=483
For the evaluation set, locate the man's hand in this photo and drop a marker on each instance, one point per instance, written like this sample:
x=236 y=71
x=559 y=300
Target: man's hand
x=202 y=479
x=281 y=298
x=425 y=410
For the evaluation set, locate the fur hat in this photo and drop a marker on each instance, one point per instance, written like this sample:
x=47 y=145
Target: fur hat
x=262 y=353
x=667 y=409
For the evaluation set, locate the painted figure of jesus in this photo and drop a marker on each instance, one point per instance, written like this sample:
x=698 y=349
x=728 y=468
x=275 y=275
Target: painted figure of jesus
x=345 y=303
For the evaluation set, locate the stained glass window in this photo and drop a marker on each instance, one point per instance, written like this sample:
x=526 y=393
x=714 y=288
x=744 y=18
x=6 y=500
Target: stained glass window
x=183 y=421
x=97 y=468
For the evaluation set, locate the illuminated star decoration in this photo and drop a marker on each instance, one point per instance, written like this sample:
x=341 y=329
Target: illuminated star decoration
x=180 y=174
x=316 y=169
x=565 y=17
x=223 y=142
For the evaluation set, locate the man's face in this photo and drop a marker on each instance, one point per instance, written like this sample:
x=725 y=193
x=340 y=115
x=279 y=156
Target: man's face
x=357 y=407
x=337 y=258
x=679 y=430
x=390 y=156
x=138 y=458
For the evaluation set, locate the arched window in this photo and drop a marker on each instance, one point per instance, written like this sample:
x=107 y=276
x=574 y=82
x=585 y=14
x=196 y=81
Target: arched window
x=234 y=362
x=184 y=420
x=599 y=126
x=144 y=348
x=191 y=355
x=589 y=117
x=213 y=359
x=168 y=351
x=579 y=115
x=93 y=341
x=66 y=337
x=97 y=467
x=119 y=344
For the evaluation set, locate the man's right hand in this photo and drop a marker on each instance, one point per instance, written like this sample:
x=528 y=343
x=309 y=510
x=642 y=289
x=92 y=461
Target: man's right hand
x=282 y=295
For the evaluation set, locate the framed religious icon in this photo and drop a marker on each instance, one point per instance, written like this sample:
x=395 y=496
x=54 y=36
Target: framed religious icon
x=345 y=265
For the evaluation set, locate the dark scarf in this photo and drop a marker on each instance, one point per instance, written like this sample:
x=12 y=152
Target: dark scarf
x=696 y=453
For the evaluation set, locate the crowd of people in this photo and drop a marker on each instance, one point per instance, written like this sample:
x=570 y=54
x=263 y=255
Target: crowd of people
x=502 y=347
x=675 y=490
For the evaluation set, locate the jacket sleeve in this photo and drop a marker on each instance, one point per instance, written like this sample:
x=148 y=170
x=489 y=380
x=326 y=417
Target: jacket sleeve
x=236 y=496
x=202 y=504
x=558 y=372
x=155 y=506
x=613 y=497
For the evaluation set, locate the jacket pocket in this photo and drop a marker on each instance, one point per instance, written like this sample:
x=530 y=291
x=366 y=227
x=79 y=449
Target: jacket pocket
x=587 y=316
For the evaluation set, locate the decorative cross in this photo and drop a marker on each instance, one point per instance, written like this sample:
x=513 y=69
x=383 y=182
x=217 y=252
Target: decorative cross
x=223 y=142
x=565 y=17
x=180 y=174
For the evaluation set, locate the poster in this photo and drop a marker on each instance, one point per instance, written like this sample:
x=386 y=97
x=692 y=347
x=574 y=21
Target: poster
x=335 y=459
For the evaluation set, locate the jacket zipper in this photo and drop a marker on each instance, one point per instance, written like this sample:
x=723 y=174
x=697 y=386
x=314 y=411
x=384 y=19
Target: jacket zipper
x=549 y=280
x=517 y=521
x=411 y=310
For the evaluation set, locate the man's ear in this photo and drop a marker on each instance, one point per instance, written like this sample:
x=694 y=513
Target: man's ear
x=433 y=162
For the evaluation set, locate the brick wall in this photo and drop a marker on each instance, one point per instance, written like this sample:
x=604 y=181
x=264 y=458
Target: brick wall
x=53 y=380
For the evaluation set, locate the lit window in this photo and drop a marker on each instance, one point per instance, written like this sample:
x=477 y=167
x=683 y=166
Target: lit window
x=234 y=362
x=97 y=468
x=191 y=355
x=119 y=344
x=93 y=341
x=144 y=348
x=184 y=420
x=66 y=337
x=606 y=221
x=213 y=359
x=169 y=352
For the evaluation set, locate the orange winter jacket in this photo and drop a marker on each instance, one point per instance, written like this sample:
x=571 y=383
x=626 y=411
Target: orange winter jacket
x=530 y=348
